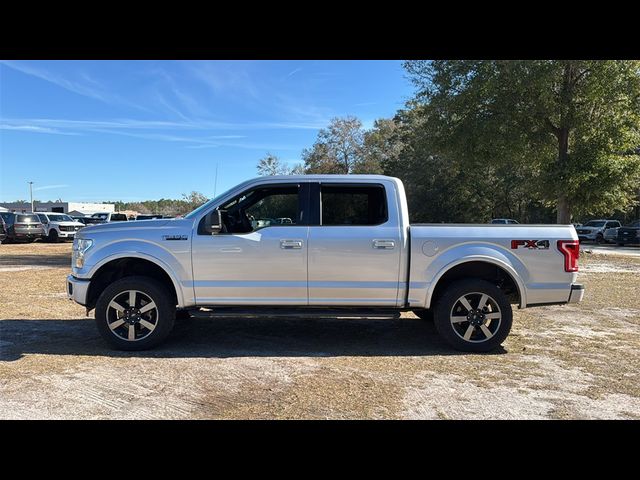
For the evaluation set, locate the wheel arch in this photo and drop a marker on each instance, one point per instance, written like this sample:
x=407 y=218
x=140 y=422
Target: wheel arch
x=478 y=266
x=115 y=267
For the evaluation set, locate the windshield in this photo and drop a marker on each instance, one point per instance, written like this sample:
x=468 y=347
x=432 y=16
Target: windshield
x=59 y=218
x=203 y=207
x=100 y=215
x=635 y=224
x=27 y=219
x=595 y=223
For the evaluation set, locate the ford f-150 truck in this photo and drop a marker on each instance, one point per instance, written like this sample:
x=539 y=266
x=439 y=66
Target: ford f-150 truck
x=349 y=247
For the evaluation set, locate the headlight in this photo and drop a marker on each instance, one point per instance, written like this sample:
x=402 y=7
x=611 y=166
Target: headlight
x=80 y=247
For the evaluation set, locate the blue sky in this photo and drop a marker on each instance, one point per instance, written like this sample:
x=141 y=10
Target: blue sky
x=137 y=130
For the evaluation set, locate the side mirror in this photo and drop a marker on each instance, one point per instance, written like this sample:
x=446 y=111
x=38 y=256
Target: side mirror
x=213 y=222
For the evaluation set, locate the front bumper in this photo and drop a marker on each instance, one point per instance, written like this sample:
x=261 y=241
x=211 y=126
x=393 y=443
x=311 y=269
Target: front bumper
x=67 y=234
x=577 y=292
x=77 y=289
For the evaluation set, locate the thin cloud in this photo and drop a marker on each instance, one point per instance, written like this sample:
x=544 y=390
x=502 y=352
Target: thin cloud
x=222 y=137
x=132 y=124
x=35 y=129
x=293 y=72
x=95 y=91
x=50 y=187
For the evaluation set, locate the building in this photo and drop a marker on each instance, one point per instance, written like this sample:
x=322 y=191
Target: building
x=72 y=208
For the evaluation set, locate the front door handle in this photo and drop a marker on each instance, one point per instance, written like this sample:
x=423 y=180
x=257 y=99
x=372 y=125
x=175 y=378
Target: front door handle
x=291 y=244
x=384 y=244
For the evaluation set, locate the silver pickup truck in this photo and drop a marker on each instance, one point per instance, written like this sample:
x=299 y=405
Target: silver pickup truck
x=337 y=243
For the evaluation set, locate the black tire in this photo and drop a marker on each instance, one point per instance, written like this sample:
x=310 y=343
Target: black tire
x=599 y=239
x=477 y=342
x=424 y=314
x=165 y=316
x=53 y=236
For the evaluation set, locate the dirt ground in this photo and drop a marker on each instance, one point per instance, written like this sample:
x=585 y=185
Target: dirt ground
x=559 y=362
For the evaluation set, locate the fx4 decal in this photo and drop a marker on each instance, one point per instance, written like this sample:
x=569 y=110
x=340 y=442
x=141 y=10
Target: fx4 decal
x=530 y=244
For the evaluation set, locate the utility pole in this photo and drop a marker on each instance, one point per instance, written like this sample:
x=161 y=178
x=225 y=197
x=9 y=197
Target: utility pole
x=31 y=194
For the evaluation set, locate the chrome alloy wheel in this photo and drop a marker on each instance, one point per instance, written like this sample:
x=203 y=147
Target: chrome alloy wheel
x=475 y=317
x=132 y=315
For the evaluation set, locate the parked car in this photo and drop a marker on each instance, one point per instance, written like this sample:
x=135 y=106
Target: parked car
x=148 y=217
x=3 y=230
x=87 y=220
x=629 y=234
x=611 y=235
x=349 y=247
x=22 y=227
x=59 y=226
x=110 y=217
x=504 y=221
x=594 y=230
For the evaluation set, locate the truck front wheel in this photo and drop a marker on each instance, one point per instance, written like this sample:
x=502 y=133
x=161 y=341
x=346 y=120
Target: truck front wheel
x=135 y=313
x=473 y=316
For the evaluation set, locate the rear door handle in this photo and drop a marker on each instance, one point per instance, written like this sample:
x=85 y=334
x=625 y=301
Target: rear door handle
x=384 y=244
x=291 y=244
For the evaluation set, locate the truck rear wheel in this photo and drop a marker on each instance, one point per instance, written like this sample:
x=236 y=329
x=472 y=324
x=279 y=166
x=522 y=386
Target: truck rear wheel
x=473 y=316
x=135 y=313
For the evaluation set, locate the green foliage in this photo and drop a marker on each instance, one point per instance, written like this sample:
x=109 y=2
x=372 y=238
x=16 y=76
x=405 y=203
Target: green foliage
x=566 y=129
x=534 y=140
x=339 y=148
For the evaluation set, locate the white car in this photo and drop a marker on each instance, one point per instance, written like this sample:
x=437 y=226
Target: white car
x=59 y=226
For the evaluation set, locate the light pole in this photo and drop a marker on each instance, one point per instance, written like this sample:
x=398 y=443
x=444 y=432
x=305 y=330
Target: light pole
x=31 y=194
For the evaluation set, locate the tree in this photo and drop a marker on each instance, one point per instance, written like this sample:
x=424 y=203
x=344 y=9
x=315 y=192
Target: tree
x=271 y=165
x=382 y=147
x=569 y=128
x=191 y=201
x=338 y=148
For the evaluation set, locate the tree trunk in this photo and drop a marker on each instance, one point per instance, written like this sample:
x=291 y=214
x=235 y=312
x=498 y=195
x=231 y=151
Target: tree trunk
x=564 y=210
x=562 y=133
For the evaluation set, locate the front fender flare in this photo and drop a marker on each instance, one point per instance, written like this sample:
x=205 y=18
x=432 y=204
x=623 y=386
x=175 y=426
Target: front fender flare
x=142 y=256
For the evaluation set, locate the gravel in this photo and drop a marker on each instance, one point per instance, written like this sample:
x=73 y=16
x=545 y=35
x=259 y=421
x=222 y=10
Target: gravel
x=572 y=361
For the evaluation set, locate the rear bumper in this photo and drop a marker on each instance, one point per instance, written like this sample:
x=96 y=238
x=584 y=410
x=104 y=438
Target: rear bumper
x=28 y=234
x=577 y=292
x=77 y=289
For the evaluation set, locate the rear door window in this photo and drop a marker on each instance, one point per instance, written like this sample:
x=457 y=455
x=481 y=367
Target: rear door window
x=353 y=205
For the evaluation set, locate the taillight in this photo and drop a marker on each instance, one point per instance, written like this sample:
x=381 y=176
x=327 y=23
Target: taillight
x=571 y=251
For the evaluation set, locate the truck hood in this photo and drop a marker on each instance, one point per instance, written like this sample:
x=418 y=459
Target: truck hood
x=590 y=229
x=133 y=225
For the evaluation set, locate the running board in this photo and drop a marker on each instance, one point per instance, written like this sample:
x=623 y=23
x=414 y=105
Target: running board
x=261 y=312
